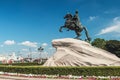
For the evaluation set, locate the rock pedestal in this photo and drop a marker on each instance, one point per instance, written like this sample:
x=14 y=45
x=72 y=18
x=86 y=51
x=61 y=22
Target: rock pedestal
x=73 y=52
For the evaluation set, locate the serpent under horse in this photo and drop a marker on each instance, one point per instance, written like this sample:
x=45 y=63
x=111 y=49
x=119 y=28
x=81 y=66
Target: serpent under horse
x=73 y=23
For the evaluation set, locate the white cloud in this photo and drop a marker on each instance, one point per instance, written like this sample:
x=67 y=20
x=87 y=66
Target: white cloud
x=91 y=18
x=51 y=48
x=24 y=49
x=114 y=27
x=111 y=11
x=1 y=45
x=29 y=44
x=44 y=44
x=9 y=42
x=35 y=52
x=116 y=20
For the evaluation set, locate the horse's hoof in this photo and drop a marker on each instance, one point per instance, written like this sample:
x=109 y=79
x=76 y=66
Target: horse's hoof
x=68 y=30
x=60 y=31
x=77 y=38
x=89 y=39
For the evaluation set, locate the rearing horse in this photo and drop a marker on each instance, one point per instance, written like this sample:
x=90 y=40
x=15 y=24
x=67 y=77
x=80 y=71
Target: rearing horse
x=73 y=23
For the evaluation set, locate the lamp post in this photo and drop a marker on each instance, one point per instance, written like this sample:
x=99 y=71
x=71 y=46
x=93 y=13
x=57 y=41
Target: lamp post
x=40 y=49
x=29 y=56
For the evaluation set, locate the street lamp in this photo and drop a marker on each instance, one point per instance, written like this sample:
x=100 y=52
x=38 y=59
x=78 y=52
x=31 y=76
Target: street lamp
x=40 y=49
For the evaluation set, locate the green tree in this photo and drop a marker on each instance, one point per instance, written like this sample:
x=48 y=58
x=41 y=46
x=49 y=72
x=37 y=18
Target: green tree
x=113 y=46
x=98 y=42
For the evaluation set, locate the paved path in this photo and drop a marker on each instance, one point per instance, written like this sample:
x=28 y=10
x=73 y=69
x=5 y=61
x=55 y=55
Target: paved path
x=3 y=77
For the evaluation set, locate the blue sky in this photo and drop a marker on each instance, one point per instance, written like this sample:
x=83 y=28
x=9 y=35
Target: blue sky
x=28 y=24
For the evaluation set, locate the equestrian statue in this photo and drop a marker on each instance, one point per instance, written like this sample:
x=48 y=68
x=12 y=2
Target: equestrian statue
x=73 y=23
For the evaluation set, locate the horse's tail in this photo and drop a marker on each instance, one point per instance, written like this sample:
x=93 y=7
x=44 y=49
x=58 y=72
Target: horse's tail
x=87 y=35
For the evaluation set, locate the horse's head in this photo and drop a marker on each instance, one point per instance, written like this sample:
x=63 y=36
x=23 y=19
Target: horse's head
x=68 y=16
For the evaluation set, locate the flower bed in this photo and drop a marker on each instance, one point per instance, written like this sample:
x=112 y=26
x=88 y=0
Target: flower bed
x=62 y=76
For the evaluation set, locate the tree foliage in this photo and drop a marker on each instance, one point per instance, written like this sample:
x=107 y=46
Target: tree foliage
x=98 y=42
x=112 y=46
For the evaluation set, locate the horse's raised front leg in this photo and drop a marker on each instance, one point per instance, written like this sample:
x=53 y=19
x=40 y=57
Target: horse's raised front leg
x=60 y=30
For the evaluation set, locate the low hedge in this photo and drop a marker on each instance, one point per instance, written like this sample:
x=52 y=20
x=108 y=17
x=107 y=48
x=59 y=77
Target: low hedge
x=24 y=64
x=83 y=71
